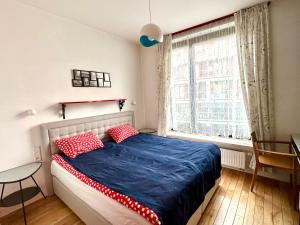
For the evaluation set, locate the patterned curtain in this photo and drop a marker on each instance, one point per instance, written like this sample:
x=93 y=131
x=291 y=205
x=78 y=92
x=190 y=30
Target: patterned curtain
x=253 y=41
x=164 y=71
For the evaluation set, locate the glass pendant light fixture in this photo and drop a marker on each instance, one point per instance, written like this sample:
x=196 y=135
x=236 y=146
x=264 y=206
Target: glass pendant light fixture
x=150 y=33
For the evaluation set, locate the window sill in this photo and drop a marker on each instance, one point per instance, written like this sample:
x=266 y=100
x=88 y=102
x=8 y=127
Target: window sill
x=227 y=143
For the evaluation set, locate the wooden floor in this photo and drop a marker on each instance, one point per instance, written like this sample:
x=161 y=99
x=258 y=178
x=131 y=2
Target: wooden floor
x=232 y=203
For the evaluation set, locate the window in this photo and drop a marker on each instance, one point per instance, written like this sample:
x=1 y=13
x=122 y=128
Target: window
x=206 y=96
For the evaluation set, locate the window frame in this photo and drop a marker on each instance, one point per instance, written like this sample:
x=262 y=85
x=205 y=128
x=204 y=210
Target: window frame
x=193 y=82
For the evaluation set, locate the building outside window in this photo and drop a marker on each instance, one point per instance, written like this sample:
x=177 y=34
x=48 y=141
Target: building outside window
x=206 y=97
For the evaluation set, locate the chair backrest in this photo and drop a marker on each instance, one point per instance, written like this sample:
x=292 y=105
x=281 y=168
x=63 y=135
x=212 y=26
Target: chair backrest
x=255 y=145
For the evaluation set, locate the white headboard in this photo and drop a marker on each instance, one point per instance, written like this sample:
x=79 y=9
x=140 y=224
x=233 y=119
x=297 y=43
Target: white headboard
x=55 y=130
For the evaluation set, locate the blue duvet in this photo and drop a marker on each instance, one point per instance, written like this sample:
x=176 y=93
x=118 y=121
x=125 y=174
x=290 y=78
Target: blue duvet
x=169 y=176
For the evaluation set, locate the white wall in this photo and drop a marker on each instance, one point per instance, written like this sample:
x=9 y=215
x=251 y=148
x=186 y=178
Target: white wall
x=285 y=38
x=37 y=53
x=285 y=55
x=149 y=61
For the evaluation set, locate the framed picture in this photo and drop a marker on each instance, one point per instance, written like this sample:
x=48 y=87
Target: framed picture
x=85 y=78
x=100 y=82
x=106 y=77
x=93 y=76
x=76 y=74
x=77 y=83
x=99 y=75
x=93 y=83
x=85 y=74
x=107 y=84
x=86 y=82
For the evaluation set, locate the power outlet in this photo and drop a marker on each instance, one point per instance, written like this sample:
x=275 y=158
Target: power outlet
x=37 y=156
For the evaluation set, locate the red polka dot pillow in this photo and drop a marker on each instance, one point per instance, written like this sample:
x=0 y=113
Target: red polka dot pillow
x=122 y=132
x=78 y=144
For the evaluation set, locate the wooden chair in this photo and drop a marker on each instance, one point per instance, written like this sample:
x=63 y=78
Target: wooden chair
x=284 y=161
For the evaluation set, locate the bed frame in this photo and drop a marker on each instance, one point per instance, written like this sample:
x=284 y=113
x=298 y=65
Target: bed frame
x=99 y=125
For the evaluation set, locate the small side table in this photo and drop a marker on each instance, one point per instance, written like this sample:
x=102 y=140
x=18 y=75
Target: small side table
x=17 y=175
x=148 y=131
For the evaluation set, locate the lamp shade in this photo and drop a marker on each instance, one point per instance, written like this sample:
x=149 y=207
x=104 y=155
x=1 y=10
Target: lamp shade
x=150 y=35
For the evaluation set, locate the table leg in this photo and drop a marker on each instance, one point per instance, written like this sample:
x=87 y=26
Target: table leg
x=295 y=190
x=2 y=191
x=38 y=187
x=23 y=207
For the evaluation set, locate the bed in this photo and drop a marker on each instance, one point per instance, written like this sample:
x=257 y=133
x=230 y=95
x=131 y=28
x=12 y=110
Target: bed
x=154 y=156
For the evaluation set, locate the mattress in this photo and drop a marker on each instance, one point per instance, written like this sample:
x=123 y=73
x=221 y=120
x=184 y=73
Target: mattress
x=111 y=210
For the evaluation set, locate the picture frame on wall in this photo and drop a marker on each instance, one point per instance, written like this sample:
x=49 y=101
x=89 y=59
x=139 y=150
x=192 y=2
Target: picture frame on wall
x=86 y=82
x=99 y=75
x=76 y=74
x=85 y=78
x=93 y=83
x=93 y=76
x=77 y=83
x=85 y=74
x=100 y=82
x=106 y=77
x=107 y=84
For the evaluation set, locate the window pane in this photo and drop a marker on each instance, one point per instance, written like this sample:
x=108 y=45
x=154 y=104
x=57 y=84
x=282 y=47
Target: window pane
x=201 y=90
x=180 y=90
x=207 y=99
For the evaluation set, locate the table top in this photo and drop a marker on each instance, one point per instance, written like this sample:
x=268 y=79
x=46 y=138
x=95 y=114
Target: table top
x=19 y=173
x=296 y=139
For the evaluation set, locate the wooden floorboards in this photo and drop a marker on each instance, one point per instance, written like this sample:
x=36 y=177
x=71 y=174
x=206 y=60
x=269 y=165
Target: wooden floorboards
x=232 y=204
x=51 y=211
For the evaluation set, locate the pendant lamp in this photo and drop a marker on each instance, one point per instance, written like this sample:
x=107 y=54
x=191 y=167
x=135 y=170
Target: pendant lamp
x=150 y=33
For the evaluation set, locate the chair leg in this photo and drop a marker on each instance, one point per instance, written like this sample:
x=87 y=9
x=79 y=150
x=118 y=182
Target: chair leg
x=294 y=201
x=253 y=178
x=291 y=179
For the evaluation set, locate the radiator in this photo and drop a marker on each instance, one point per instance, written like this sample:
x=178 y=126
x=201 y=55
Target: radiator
x=233 y=158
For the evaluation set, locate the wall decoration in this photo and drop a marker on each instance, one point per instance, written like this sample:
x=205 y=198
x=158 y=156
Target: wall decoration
x=93 y=76
x=100 y=83
x=77 y=83
x=84 y=78
x=106 y=84
x=99 y=75
x=77 y=75
x=93 y=83
x=86 y=81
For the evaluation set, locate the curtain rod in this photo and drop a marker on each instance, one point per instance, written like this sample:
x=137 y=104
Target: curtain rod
x=205 y=23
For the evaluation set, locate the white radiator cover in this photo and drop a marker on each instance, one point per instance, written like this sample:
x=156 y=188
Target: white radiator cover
x=235 y=159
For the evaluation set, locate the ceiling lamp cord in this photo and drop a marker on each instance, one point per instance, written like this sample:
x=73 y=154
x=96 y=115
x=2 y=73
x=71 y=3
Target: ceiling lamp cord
x=150 y=11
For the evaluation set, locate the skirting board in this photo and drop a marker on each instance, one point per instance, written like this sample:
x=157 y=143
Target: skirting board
x=91 y=217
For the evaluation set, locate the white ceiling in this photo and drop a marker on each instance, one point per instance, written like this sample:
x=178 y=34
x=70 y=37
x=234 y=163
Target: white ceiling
x=126 y=17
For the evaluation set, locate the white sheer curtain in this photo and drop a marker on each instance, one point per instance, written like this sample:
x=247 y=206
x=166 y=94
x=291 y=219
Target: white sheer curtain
x=164 y=71
x=253 y=40
x=206 y=96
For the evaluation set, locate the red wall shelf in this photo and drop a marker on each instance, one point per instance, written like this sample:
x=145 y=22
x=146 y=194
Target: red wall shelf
x=121 y=102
